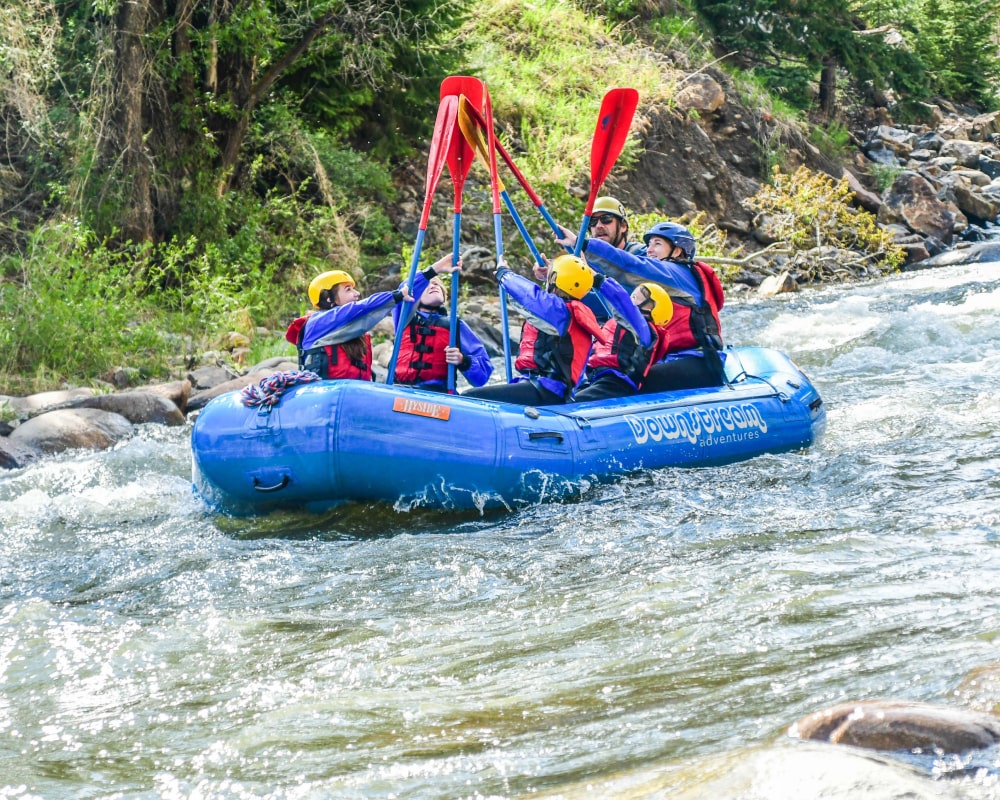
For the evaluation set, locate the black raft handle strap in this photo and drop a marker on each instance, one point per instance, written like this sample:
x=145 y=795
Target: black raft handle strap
x=285 y=480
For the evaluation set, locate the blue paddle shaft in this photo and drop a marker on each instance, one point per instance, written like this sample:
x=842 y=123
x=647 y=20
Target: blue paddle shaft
x=405 y=310
x=456 y=243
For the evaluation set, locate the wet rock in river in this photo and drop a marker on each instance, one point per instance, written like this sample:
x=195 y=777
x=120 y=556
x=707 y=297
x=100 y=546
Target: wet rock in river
x=897 y=725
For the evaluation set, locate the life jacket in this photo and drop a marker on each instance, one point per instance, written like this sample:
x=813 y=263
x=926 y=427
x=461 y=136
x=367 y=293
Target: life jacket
x=332 y=362
x=562 y=358
x=697 y=325
x=421 y=352
x=620 y=351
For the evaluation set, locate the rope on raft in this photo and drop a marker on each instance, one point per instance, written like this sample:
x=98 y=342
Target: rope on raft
x=268 y=392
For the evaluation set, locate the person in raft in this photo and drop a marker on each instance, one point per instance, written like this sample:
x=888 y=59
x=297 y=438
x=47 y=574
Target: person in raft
x=334 y=341
x=424 y=353
x=608 y=222
x=558 y=332
x=694 y=357
x=631 y=344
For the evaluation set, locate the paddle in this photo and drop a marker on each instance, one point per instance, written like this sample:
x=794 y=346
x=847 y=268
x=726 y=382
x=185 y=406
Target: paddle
x=477 y=118
x=472 y=133
x=497 y=233
x=460 y=160
x=444 y=128
x=613 y=122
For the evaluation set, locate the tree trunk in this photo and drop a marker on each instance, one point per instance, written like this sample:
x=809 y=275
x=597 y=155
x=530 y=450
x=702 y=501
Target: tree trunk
x=828 y=88
x=131 y=74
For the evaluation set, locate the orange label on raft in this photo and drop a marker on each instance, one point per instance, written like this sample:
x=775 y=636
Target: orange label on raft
x=421 y=408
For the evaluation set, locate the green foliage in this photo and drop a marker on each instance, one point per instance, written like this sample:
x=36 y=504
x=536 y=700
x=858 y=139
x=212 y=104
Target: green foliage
x=547 y=66
x=833 y=139
x=958 y=43
x=807 y=209
x=69 y=310
x=884 y=175
x=794 y=84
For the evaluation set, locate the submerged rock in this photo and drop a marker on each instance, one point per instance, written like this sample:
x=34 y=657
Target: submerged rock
x=898 y=725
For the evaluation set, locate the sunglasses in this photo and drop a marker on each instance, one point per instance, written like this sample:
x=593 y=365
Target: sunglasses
x=603 y=219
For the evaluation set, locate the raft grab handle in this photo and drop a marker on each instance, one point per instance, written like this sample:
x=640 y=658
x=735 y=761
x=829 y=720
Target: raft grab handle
x=285 y=480
x=536 y=435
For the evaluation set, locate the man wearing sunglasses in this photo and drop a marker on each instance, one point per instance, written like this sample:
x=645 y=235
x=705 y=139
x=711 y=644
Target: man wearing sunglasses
x=609 y=223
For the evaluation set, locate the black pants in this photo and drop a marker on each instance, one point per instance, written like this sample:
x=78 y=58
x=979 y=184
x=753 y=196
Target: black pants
x=523 y=393
x=608 y=385
x=684 y=373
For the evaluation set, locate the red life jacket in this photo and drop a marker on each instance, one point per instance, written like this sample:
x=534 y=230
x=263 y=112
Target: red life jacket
x=332 y=362
x=619 y=350
x=695 y=325
x=562 y=358
x=421 y=353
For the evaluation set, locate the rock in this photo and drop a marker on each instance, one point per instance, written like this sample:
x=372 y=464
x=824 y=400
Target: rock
x=912 y=200
x=867 y=200
x=381 y=353
x=177 y=392
x=777 y=284
x=137 y=407
x=208 y=377
x=985 y=126
x=981 y=689
x=901 y=142
x=879 y=152
x=70 y=428
x=200 y=399
x=976 y=253
x=915 y=252
x=975 y=205
x=898 y=725
x=965 y=153
x=699 y=92
x=15 y=454
x=989 y=166
x=43 y=400
x=931 y=140
x=276 y=364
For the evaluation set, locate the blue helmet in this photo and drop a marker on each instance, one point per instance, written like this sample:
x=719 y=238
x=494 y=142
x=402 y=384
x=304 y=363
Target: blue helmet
x=677 y=235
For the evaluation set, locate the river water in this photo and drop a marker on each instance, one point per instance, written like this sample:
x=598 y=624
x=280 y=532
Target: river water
x=654 y=640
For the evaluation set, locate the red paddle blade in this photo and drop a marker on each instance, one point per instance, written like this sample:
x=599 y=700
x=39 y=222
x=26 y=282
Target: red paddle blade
x=444 y=128
x=492 y=146
x=460 y=153
x=617 y=110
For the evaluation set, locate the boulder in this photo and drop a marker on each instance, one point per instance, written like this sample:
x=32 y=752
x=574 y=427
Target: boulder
x=981 y=689
x=43 y=400
x=210 y=376
x=902 y=142
x=200 y=399
x=912 y=200
x=899 y=725
x=177 y=392
x=777 y=284
x=976 y=205
x=699 y=92
x=964 y=152
x=137 y=407
x=977 y=253
x=70 y=428
x=15 y=454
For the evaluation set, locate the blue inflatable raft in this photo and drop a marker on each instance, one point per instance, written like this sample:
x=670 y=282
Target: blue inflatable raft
x=328 y=442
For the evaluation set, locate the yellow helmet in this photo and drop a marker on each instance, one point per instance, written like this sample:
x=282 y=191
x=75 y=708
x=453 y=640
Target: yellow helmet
x=662 y=310
x=572 y=275
x=327 y=280
x=609 y=205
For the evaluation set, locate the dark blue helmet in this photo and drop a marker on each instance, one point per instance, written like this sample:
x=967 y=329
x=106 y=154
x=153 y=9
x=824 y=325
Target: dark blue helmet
x=677 y=235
